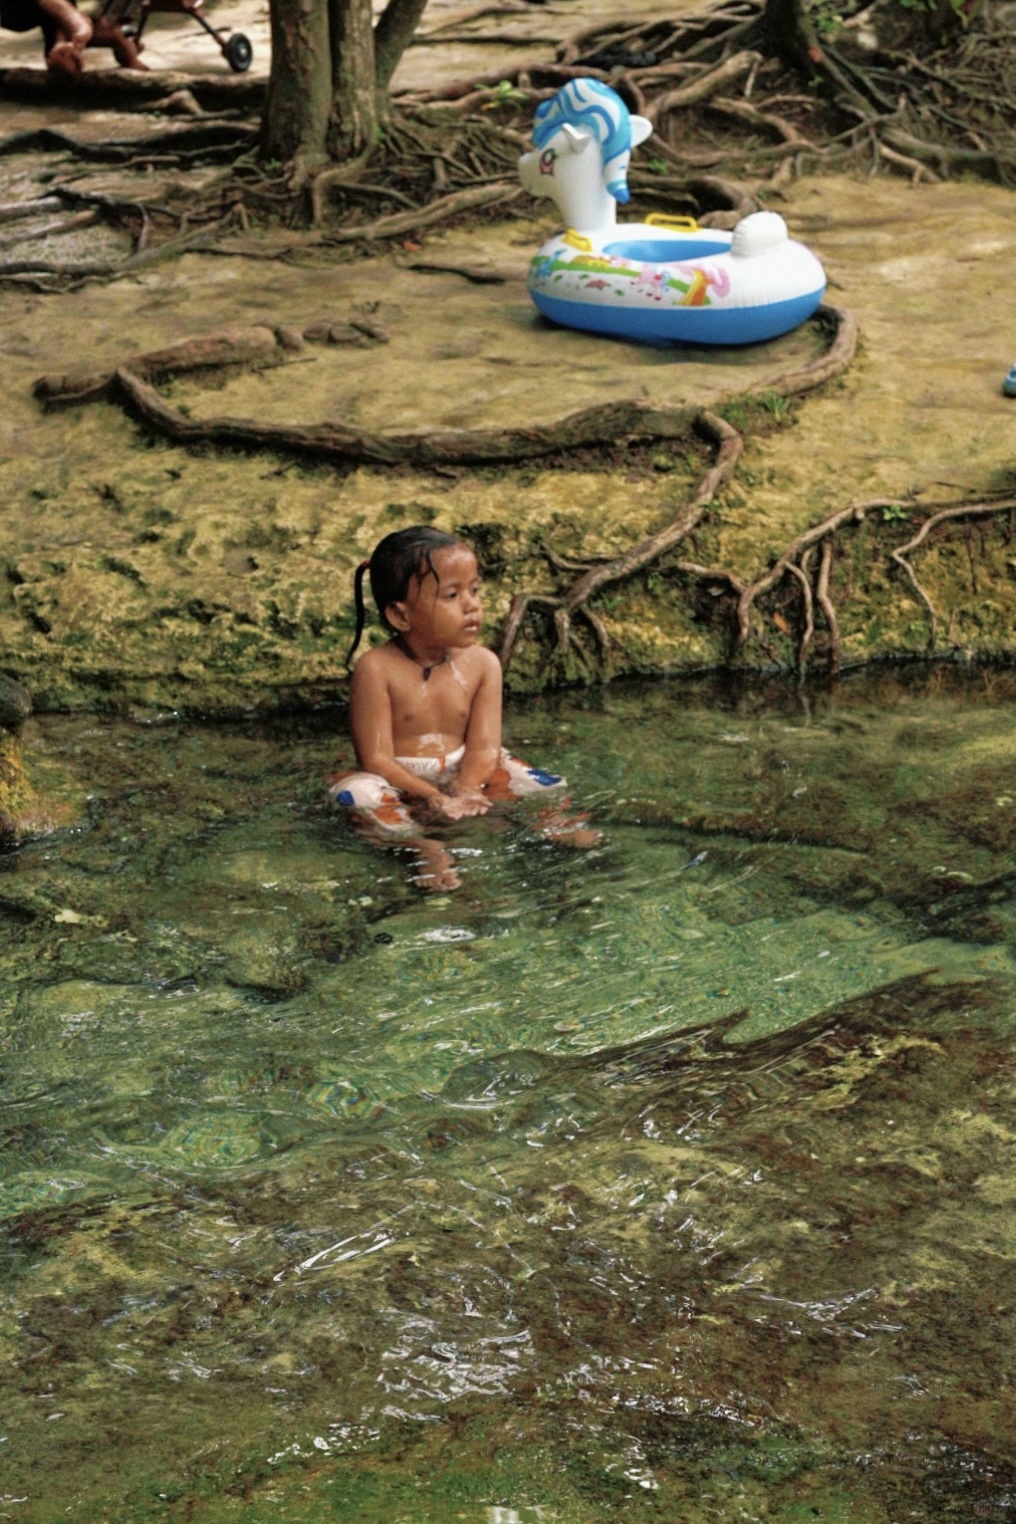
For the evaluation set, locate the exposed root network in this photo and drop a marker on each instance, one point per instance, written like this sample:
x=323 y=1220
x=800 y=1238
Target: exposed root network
x=742 y=97
x=761 y=616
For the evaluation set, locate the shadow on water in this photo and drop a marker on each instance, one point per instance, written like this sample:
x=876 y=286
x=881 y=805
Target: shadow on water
x=669 y=1180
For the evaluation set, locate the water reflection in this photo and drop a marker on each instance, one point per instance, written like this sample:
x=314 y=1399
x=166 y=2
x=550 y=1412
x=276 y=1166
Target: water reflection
x=662 y=1177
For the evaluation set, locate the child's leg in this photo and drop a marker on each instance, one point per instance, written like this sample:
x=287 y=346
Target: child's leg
x=126 y=50
x=436 y=871
x=66 y=34
x=380 y=814
x=517 y=780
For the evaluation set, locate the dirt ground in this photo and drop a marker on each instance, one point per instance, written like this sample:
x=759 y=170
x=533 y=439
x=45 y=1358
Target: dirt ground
x=173 y=42
x=143 y=573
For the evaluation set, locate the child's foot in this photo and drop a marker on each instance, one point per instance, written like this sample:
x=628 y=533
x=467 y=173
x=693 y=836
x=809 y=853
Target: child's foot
x=570 y=831
x=437 y=882
x=436 y=873
x=127 y=53
x=65 y=58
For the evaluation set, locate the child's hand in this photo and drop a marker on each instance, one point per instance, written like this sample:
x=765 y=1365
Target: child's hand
x=473 y=797
x=460 y=806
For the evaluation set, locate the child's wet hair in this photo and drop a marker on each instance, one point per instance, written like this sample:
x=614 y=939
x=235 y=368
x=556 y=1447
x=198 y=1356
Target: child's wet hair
x=395 y=562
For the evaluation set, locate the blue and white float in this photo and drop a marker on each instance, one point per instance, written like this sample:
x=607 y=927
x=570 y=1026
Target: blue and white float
x=664 y=279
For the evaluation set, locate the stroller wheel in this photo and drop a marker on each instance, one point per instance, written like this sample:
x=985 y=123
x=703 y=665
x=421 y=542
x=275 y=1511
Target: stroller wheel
x=238 y=53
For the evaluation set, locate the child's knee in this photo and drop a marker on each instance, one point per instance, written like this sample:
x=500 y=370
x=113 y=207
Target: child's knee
x=523 y=779
x=375 y=806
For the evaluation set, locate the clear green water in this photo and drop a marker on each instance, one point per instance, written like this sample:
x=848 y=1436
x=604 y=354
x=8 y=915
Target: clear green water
x=669 y=1180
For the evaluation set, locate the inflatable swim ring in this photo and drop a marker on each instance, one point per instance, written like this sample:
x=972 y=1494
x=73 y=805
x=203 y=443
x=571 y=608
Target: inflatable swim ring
x=656 y=281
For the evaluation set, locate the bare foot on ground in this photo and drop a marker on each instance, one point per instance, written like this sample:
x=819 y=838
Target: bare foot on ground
x=65 y=58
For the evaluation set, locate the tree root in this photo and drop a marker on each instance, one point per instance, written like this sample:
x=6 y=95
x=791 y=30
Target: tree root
x=453 y=142
x=902 y=552
x=709 y=62
x=796 y=562
x=600 y=425
x=664 y=66
x=634 y=421
x=603 y=424
x=997 y=166
x=44 y=273
x=789 y=562
x=477 y=275
x=574 y=601
x=236 y=346
x=129 y=90
x=704 y=86
x=53 y=229
x=487 y=194
x=205 y=142
x=743 y=112
x=515 y=8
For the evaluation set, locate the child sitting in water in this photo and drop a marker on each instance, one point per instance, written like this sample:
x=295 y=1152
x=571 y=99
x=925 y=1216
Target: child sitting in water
x=425 y=707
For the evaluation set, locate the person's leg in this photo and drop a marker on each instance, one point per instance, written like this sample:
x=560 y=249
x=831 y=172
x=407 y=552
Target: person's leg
x=66 y=34
x=517 y=780
x=126 y=50
x=381 y=816
x=435 y=871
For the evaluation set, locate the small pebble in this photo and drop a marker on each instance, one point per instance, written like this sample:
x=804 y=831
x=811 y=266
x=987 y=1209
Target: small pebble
x=372 y=328
x=345 y=333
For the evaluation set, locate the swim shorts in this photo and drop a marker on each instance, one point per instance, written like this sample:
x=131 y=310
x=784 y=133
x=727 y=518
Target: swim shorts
x=382 y=804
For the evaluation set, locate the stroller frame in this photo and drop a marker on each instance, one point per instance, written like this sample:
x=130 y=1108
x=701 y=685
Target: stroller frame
x=131 y=16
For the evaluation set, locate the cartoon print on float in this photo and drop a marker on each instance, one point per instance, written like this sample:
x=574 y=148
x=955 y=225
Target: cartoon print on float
x=664 y=279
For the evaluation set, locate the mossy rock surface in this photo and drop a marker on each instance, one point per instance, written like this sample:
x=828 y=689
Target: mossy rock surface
x=147 y=574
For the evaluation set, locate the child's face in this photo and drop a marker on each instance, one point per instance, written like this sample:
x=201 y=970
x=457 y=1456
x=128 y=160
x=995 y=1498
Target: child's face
x=443 y=610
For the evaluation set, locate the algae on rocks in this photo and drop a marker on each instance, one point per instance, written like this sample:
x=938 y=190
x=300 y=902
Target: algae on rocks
x=157 y=575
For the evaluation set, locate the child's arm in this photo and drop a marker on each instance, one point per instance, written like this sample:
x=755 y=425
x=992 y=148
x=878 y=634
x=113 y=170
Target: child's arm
x=483 y=732
x=370 y=708
x=75 y=32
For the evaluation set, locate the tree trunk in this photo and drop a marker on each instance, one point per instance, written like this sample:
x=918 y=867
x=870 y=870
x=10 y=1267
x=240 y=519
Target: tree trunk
x=392 y=36
x=299 y=104
x=354 y=121
x=330 y=76
x=795 y=38
x=793 y=34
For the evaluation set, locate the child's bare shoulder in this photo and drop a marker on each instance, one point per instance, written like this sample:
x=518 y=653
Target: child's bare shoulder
x=484 y=662
x=376 y=665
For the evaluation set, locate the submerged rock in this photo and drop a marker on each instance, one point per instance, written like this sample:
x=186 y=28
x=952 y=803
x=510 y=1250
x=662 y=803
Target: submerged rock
x=15 y=701
x=22 y=811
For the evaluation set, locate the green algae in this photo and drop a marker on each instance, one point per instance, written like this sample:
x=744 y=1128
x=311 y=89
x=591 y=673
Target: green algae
x=139 y=573
x=646 y=1183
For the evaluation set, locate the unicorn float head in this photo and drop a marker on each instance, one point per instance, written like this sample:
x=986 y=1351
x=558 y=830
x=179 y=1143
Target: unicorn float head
x=582 y=142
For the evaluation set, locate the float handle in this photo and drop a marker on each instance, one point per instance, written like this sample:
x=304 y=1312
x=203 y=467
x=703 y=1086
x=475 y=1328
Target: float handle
x=578 y=241
x=661 y=220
